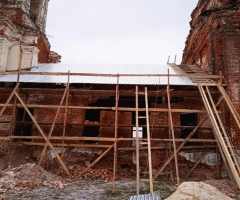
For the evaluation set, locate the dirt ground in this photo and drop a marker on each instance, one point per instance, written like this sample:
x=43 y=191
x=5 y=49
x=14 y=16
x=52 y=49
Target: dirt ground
x=16 y=179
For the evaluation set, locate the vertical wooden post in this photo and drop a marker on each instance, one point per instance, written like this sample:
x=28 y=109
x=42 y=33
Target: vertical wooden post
x=49 y=135
x=65 y=116
x=172 y=130
x=42 y=133
x=8 y=157
x=149 y=143
x=115 y=135
x=137 y=145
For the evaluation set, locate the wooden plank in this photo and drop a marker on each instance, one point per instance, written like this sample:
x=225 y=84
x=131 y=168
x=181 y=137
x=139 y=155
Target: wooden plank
x=94 y=162
x=226 y=139
x=201 y=76
x=111 y=108
x=42 y=133
x=173 y=136
x=103 y=139
x=149 y=143
x=107 y=125
x=106 y=146
x=65 y=116
x=137 y=146
x=115 y=137
x=219 y=137
x=128 y=92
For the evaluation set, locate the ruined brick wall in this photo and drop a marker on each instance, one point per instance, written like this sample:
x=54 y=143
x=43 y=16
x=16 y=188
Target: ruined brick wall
x=214 y=45
x=23 y=42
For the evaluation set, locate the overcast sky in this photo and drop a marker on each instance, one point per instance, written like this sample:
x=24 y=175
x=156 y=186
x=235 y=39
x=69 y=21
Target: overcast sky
x=119 y=31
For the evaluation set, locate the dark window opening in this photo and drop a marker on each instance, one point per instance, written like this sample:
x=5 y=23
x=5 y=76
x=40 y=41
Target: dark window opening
x=189 y=119
x=91 y=129
x=92 y=116
x=23 y=125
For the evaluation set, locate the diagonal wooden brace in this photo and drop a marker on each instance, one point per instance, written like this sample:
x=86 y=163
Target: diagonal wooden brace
x=93 y=163
x=49 y=135
x=179 y=148
x=183 y=143
x=42 y=133
x=9 y=99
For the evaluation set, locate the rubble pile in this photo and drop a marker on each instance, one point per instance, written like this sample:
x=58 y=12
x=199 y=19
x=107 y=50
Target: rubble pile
x=92 y=174
x=22 y=176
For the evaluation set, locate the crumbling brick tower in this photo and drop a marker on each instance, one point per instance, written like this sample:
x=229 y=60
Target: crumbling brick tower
x=214 y=45
x=23 y=42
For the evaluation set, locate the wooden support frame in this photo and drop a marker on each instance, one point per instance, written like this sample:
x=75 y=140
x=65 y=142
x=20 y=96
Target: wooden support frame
x=179 y=148
x=184 y=142
x=49 y=135
x=115 y=139
x=42 y=133
x=230 y=158
x=216 y=136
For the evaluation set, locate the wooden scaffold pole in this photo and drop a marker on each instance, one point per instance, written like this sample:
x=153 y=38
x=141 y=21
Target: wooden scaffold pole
x=172 y=130
x=65 y=116
x=115 y=136
x=137 y=145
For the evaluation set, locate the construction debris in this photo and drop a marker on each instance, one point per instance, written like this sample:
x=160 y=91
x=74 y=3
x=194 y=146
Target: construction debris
x=197 y=190
x=92 y=174
x=21 y=177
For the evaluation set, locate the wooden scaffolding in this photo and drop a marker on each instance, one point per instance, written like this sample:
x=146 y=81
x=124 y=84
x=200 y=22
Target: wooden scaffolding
x=202 y=82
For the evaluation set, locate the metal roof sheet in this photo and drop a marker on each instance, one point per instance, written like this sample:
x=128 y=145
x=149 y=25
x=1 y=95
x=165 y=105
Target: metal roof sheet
x=101 y=69
x=152 y=196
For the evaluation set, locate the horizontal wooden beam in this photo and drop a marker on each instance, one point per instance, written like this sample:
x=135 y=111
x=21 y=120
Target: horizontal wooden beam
x=74 y=138
x=110 y=108
x=102 y=125
x=200 y=76
x=127 y=92
x=107 y=146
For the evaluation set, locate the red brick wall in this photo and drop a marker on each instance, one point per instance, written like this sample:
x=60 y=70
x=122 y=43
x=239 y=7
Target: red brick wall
x=215 y=38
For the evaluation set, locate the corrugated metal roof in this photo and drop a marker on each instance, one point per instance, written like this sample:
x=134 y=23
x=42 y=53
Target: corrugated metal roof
x=152 y=196
x=101 y=69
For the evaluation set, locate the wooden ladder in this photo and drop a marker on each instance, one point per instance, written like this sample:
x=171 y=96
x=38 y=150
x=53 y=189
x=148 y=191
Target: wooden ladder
x=225 y=146
x=148 y=143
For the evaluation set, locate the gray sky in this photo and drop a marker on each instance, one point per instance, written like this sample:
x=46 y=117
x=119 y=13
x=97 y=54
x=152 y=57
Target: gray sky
x=119 y=31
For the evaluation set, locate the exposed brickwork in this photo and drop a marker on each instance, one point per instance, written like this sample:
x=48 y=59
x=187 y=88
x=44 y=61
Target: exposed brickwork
x=214 y=45
x=22 y=28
